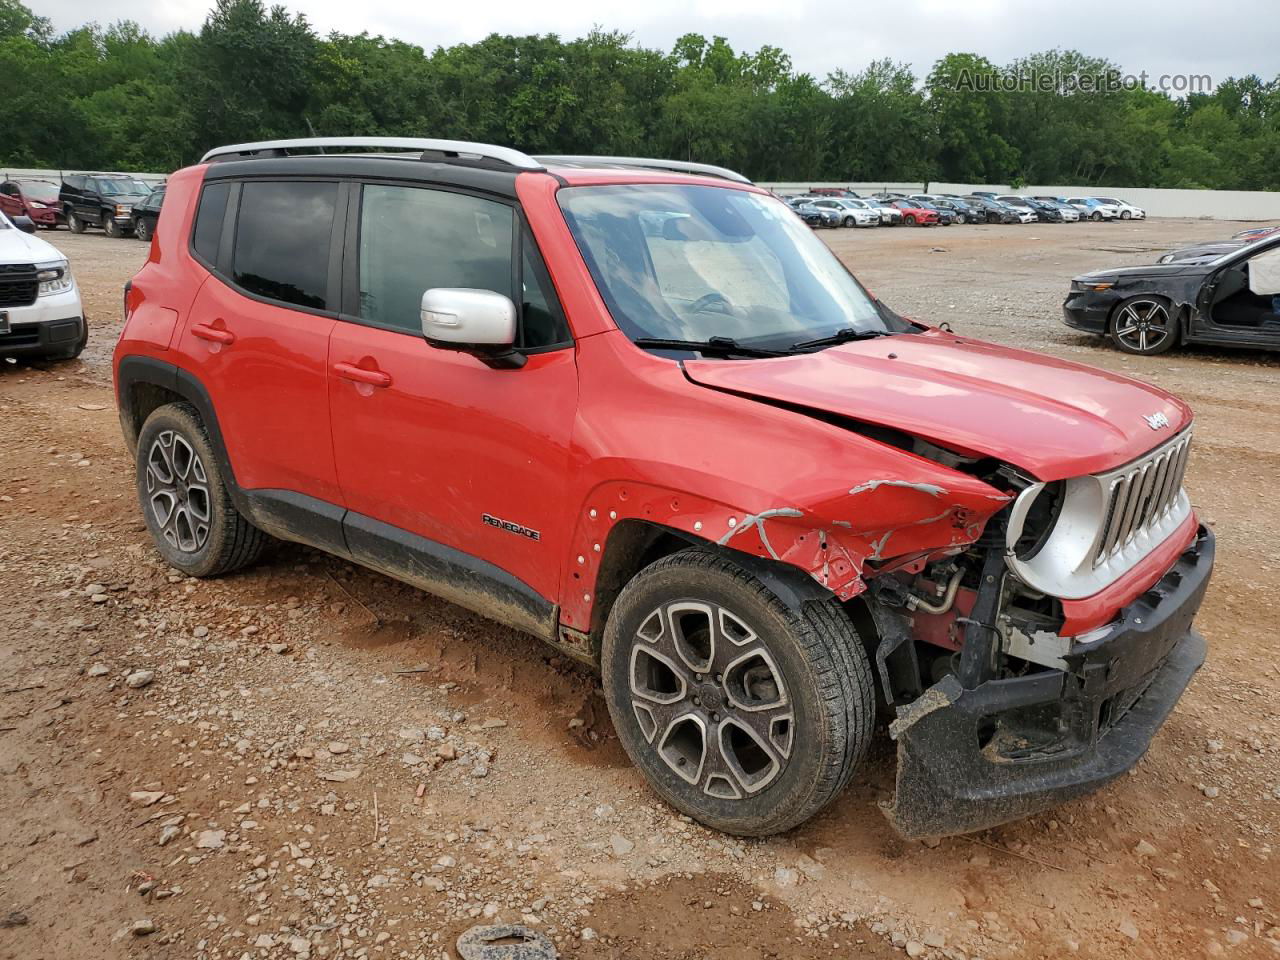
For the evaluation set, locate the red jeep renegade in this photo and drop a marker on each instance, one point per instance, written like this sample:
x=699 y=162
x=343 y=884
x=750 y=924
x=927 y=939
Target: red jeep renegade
x=634 y=408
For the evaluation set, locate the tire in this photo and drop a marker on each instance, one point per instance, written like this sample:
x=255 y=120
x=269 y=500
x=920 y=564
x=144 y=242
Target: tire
x=143 y=231
x=201 y=535
x=1143 y=325
x=1095 y=216
x=1125 y=215
x=909 y=220
x=808 y=668
x=112 y=228
x=960 y=219
x=849 y=222
x=74 y=223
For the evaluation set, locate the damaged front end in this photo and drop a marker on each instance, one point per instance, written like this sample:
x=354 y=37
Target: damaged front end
x=998 y=713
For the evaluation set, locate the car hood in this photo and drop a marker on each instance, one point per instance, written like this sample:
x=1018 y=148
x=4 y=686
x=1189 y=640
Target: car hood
x=1154 y=270
x=19 y=247
x=1051 y=417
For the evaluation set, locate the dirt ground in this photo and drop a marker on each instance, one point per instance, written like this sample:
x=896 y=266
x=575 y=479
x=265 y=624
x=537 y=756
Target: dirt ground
x=325 y=763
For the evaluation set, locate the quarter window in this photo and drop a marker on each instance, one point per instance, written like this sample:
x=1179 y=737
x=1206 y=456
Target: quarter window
x=208 y=233
x=413 y=239
x=283 y=234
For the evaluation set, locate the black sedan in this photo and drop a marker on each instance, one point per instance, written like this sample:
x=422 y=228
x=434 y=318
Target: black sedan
x=1231 y=300
x=146 y=213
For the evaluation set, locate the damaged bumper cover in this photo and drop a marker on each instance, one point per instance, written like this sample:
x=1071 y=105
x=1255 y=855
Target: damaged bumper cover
x=1008 y=748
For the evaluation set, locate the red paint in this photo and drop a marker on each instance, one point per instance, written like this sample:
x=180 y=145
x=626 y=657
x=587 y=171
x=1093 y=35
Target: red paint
x=581 y=440
x=1052 y=417
x=41 y=214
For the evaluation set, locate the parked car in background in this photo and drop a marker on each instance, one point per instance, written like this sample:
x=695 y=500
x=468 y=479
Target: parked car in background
x=1127 y=210
x=968 y=207
x=146 y=214
x=831 y=192
x=814 y=216
x=37 y=199
x=946 y=216
x=995 y=211
x=1232 y=299
x=946 y=206
x=101 y=200
x=1069 y=213
x=1041 y=209
x=1254 y=233
x=1094 y=209
x=1022 y=207
x=890 y=216
x=852 y=212
x=40 y=310
x=915 y=215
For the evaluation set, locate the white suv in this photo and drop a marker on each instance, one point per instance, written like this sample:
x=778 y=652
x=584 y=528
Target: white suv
x=40 y=309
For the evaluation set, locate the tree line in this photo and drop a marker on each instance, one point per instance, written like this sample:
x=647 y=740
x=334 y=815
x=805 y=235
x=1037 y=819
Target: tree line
x=117 y=98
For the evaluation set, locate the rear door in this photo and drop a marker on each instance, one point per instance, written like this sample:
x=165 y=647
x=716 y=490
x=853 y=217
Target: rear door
x=258 y=336
x=453 y=471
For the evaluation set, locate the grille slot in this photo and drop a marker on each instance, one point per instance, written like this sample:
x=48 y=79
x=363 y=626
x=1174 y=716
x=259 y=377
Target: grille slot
x=1140 y=495
x=18 y=285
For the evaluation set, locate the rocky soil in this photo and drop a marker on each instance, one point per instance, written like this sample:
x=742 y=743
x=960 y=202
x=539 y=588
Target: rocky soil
x=309 y=760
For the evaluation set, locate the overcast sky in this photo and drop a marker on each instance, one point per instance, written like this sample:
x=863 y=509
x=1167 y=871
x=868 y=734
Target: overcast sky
x=1221 y=39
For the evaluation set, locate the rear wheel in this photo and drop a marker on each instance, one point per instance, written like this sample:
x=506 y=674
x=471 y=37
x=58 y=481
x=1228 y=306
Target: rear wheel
x=1143 y=325
x=185 y=501
x=742 y=712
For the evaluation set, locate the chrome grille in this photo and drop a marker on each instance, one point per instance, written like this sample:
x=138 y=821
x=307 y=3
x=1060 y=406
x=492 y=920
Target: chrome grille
x=1140 y=494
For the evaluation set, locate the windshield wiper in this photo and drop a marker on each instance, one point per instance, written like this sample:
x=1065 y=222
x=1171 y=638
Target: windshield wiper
x=723 y=346
x=840 y=336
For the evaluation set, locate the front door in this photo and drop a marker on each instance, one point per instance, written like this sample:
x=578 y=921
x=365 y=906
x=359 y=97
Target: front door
x=453 y=471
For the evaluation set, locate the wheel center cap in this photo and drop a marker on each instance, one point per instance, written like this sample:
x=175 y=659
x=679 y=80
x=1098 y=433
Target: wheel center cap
x=711 y=696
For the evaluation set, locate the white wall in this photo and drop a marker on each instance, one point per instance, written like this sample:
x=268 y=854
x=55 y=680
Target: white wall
x=1209 y=204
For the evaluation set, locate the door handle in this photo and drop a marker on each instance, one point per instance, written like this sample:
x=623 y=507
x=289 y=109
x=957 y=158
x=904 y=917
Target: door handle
x=213 y=334
x=375 y=378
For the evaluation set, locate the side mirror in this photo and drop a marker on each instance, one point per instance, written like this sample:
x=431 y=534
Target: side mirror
x=24 y=223
x=479 y=322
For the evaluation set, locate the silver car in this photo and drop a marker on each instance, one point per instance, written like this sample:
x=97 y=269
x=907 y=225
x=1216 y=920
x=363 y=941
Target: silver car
x=853 y=212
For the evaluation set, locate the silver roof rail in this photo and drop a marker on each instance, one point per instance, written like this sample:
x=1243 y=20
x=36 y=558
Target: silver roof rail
x=488 y=151
x=676 y=166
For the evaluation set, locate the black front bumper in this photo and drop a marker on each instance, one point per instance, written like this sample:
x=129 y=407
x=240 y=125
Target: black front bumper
x=1089 y=310
x=1013 y=747
x=42 y=339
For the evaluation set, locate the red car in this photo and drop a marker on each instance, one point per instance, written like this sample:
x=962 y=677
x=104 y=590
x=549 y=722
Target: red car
x=636 y=409
x=916 y=216
x=37 y=199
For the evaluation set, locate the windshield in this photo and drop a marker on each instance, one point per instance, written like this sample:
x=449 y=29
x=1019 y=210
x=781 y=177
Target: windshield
x=691 y=263
x=39 y=190
x=122 y=187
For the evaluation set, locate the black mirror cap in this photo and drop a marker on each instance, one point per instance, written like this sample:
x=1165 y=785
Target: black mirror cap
x=24 y=223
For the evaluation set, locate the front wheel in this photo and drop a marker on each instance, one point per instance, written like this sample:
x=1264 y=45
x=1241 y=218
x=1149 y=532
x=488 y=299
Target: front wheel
x=143 y=230
x=74 y=223
x=1143 y=325
x=960 y=218
x=742 y=712
x=111 y=227
x=849 y=222
x=1125 y=215
x=909 y=220
x=1095 y=216
x=185 y=501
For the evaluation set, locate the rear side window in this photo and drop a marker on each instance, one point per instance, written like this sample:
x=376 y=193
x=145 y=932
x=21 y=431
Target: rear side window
x=283 y=233
x=208 y=232
x=413 y=239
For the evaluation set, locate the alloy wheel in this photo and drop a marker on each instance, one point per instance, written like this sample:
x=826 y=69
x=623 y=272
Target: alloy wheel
x=710 y=700
x=178 y=492
x=1143 y=325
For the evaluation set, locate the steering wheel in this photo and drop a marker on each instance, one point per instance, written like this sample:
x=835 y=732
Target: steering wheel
x=712 y=299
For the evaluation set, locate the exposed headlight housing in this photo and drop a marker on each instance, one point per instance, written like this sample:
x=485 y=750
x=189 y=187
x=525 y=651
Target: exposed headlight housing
x=54 y=277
